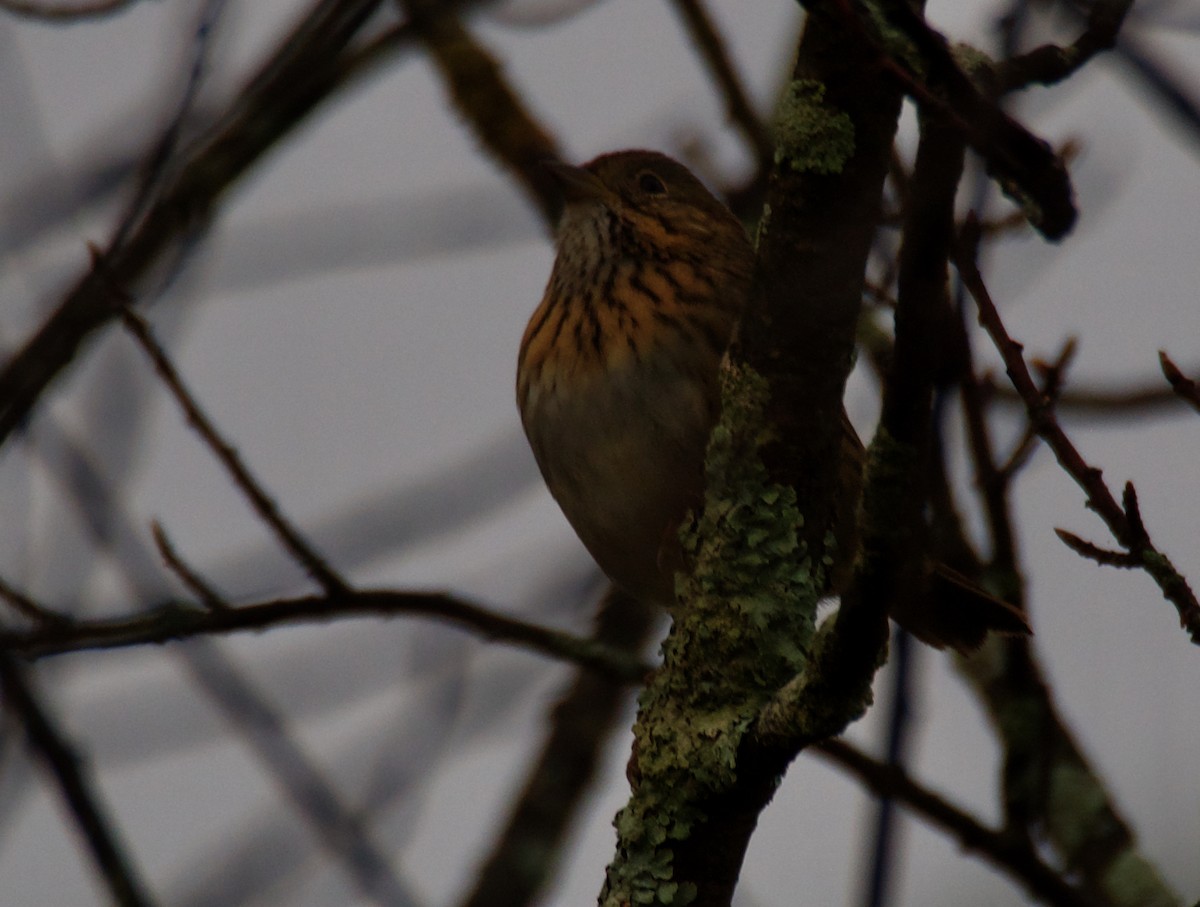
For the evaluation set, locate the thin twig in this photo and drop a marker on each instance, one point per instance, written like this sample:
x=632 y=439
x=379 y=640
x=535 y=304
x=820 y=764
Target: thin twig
x=1052 y=381
x=76 y=11
x=266 y=508
x=154 y=167
x=1183 y=387
x=187 y=575
x=1099 y=402
x=1124 y=529
x=1012 y=854
x=182 y=620
x=528 y=848
x=308 y=65
x=77 y=790
x=1025 y=166
x=1050 y=64
x=1105 y=556
x=715 y=52
x=495 y=111
x=27 y=607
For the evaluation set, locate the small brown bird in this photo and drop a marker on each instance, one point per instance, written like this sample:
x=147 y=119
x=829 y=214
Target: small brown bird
x=617 y=372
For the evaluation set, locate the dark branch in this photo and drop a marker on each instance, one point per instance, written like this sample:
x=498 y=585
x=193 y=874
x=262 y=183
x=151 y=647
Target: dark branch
x=1010 y=853
x=51 y=12
x=190 y=578
x=307 y=67
x=1183 y=387
x=77 y=790
x=1024 y=165
x=527 y=850
x=179 y=620
x=712 y=47
x=496 y=113
x=1125 y=526
x=27 y=607
x=1105 y=556
x=1050 y=64
x=1053 y=375
x=266 y=508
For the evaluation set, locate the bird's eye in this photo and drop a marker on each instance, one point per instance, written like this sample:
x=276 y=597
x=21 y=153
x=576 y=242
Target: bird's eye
x=651 y=184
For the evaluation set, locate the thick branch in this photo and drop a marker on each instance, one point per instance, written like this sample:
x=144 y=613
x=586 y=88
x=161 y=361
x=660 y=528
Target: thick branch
x=774 y=488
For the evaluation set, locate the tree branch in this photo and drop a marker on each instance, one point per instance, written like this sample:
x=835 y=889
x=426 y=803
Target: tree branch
x=305 y=69
x=67 y=769
x=1183 y=387
x=496 y=113
x=49 y=12
x=179 y=620
x=527 y=850
x=716 y=56
x=266 y=508
x=1010 y=853
x=702 y=771
x=1126 y=530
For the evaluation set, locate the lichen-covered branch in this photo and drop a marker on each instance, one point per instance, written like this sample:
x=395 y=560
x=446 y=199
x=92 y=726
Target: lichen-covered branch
x=1051 y=789
x=761 y=547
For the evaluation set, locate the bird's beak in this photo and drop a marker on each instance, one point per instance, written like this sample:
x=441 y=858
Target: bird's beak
x=576 y=184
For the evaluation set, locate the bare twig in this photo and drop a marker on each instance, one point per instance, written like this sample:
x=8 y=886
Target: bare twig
x=50 y=12
x=527 y=850
x=495 y=111
x=1125 y=527
x=1183 y=387
x=27 y=607
x=308 y=65
x=1052 y=382
x=189 y=577
x=1050 y=64
x=266 y=508
x=1105 y=556
x=77 y=790
x=1099 y=402
x=182 y=620
x=1011 y=854
x=1025 y=166
x=154 y=167
x=713 y=50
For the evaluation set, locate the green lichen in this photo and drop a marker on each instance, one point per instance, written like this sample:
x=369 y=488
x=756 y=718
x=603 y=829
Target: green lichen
x=973 y=61
x=896 y=44
x=1076 y=807
x=811 y=135
x=1133 y=882
x=743 y=630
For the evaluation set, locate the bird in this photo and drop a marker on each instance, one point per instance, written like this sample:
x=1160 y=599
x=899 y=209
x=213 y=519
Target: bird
x=617 y=371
